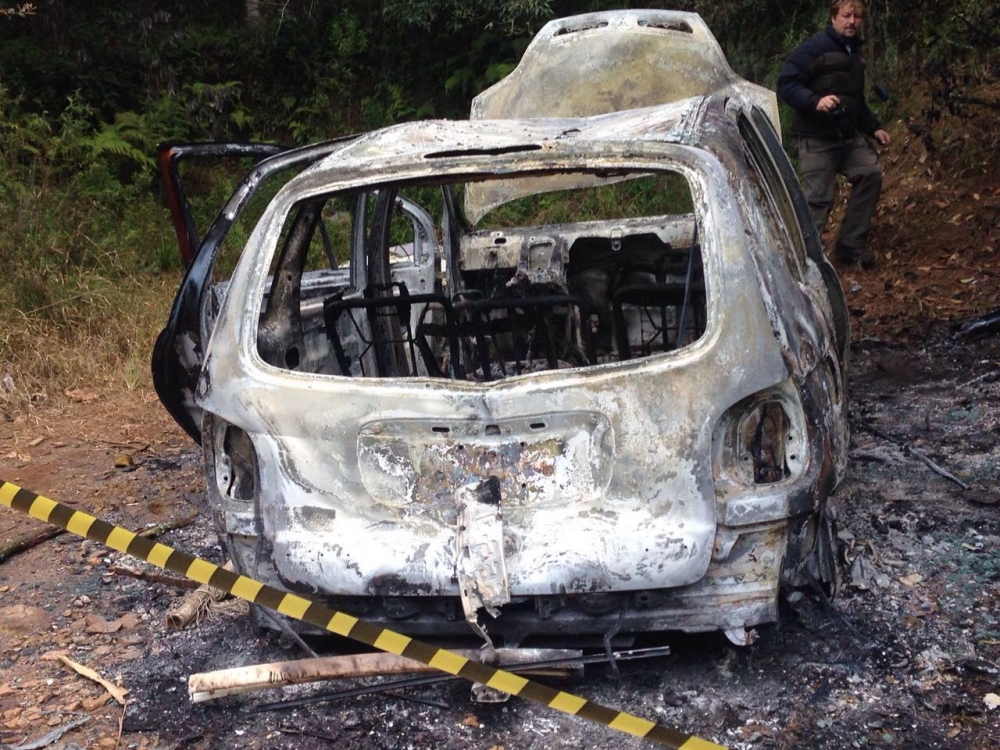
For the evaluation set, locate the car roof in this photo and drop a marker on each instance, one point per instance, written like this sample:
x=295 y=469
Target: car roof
x=443 y=145
x=442 y=138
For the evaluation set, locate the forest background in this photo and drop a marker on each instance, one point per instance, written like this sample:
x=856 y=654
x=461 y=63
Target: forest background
x=87 y=91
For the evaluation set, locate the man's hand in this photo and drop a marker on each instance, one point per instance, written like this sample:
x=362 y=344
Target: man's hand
x=882 y=137
x=828 y=103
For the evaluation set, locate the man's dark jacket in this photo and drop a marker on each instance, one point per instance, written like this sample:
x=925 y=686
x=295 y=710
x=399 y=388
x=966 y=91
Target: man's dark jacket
x=819 y=66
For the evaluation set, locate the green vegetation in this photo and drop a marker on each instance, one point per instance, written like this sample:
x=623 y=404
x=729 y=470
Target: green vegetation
x=88 y=89
x=646 y=195
x=83 y=241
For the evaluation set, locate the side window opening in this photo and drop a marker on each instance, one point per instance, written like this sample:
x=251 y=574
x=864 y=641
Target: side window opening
x=771 y=142
x=777 y=202
x=574 y=278
x=760 y=138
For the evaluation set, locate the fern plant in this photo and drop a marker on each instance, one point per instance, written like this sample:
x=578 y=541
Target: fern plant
x=127 y=138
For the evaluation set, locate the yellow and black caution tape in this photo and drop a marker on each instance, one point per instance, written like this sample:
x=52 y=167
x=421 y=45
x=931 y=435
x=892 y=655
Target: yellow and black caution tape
x=202 y=571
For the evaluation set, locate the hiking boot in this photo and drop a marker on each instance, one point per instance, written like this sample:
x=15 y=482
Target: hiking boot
x=861 y=255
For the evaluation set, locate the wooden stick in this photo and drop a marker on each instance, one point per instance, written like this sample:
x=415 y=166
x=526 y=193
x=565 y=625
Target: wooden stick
x=169 y=525
x=154 y=576
x=911 y=451
x=934 y=467
x=24 y=543
x=209 y=685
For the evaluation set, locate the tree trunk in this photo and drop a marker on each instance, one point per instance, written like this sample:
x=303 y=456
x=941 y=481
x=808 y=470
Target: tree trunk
x=253 y=12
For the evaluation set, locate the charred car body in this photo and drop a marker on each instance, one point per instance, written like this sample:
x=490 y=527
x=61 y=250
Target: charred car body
x=572 y=367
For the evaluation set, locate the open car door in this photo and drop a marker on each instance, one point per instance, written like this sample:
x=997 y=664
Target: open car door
x=178 y=352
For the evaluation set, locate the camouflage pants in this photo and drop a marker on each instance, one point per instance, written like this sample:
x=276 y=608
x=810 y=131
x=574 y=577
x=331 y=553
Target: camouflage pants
x=820 y=161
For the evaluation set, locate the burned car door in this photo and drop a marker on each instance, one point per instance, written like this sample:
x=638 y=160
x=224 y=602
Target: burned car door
x=178 y=351
x=798 y=218
x=170 y=156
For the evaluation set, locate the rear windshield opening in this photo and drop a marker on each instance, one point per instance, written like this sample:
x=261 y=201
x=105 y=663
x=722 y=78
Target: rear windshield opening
x=580 y=270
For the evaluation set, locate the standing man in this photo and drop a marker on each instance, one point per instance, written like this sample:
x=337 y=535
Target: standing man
x=824 y=81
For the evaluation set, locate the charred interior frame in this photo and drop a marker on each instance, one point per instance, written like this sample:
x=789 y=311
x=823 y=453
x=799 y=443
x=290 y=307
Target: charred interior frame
x=521 y=300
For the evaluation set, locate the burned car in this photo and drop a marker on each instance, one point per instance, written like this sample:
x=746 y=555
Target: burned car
x=574 y=367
